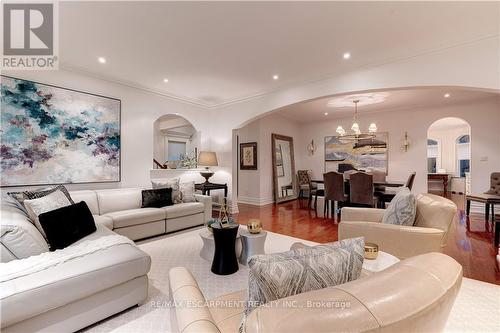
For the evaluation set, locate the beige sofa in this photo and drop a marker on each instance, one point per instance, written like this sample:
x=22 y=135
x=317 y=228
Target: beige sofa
x=89 y=288
x=414 y=295
x=429 y=233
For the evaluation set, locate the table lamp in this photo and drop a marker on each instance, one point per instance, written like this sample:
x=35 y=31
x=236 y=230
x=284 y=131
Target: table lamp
x=207 y=159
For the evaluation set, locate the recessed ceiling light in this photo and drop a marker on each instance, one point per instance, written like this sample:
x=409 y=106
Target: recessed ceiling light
x=165 y=80
x=275 y=77
x=446 y=95
x=102 y=60
x=347 y=55
x=326 y=113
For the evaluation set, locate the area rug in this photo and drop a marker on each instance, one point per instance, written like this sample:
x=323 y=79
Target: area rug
x=475 y=310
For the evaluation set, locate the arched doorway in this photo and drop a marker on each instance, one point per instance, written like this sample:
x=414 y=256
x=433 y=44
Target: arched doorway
x=449 y=156
x=175 y=141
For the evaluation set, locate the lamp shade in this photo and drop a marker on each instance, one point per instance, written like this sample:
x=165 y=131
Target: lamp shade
x=207 y=158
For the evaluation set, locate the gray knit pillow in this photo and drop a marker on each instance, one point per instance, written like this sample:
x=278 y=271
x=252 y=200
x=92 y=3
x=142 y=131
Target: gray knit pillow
x=173 y=183
x=402 y=209
x=280 y=275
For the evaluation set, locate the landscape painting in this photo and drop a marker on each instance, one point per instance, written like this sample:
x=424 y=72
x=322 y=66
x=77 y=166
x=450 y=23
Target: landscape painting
x=52 y=135
x=364 y=154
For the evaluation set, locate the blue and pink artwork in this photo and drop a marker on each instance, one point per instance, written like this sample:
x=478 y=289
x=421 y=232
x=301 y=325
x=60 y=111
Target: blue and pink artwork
x=52 y=135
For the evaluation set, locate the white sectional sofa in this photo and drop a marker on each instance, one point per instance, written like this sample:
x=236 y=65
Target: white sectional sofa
x=120 y=210
x=81 y=291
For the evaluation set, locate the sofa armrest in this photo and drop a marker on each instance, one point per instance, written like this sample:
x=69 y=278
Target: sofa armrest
x=362 y=214
x=191 y=311
x=400 y=241
x=207 y=202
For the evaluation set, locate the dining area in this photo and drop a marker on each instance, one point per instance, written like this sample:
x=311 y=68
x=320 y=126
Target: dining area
x=347 y=187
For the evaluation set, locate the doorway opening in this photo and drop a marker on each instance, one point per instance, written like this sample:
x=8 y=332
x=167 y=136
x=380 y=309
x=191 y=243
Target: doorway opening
x=449 y=156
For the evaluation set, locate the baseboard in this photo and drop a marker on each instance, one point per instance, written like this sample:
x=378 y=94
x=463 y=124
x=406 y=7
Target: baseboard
x=255 y=201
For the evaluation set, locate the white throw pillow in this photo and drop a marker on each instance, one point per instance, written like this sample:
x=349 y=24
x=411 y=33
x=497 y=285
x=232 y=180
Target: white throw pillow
x=173 y=183
x=45 y=204
x=402 y=209
x=187 y=192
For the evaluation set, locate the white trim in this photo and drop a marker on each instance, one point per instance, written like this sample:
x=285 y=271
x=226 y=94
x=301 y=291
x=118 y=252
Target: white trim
x=255 y=201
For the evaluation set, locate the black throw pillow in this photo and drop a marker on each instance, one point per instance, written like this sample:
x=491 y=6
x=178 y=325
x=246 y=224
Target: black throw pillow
x=66 y=225
x=157 y=198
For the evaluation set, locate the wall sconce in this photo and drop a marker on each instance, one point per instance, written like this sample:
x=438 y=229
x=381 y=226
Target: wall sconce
x=311 y=148
x=405 y=145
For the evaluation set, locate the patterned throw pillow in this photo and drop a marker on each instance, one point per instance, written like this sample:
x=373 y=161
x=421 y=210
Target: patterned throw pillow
x=187 y=192
x=173 y=183
x=279 y=275
x=402 y=209
x=45 y=204
x=20 y=197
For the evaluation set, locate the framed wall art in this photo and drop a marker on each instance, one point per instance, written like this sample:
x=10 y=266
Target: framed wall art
x=54 y=135
x=248 y=156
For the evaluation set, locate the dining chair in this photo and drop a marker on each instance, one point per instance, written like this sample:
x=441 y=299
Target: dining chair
x=334 y=192
x=305 y=185
x=389 y=193
x=361 y=190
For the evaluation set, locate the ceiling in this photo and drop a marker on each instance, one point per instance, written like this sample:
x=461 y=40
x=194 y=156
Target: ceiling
x=395 y=100
x=218 y=52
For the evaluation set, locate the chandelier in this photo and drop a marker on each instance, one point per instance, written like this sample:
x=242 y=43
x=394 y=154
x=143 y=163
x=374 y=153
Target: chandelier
x=357 y=135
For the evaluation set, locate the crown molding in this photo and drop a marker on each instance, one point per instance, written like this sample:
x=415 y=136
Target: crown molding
x=236 y=100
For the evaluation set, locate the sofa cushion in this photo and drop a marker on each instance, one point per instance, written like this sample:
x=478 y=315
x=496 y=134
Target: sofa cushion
x=126 y=218
x=52 y=201
x=402 y=209
x=73 y=280
x=157 y=198
x=184 y=209
x=173 y=183
x=18 y=236
x=280 y=275
x=104 y=220
x=90 y=198
x=187 y=191
x=119 y=199
x=20 y=197
x=64 y=226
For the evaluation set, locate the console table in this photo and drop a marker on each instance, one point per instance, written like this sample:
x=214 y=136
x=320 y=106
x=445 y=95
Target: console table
x=440 y=176
x=206 y=187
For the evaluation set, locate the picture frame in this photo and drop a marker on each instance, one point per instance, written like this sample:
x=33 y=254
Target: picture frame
x=248 y=156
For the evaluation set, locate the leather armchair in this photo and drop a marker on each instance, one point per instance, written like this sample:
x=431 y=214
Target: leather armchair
x=392 y=300
x=428 y=234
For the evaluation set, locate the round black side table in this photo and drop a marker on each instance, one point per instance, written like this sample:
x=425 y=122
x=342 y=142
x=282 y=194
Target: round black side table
x=225 y=261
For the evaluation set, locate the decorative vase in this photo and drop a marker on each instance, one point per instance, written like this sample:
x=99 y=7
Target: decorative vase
x=254 y=226
x=371 y=251
x=209 y=225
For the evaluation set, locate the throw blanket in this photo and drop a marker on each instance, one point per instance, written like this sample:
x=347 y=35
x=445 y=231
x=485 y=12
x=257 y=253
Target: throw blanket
x=17 y=268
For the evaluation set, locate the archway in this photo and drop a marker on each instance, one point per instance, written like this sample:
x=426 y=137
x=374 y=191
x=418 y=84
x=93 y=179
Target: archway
x=174 y=139
x=449 y=156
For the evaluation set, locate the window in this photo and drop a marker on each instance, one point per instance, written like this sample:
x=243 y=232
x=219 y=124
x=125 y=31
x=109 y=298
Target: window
x=432 y=153
x=175 y=149
x=463 y=154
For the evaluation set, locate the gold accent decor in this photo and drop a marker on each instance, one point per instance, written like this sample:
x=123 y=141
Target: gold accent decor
x=254 y=226
x=371 y=251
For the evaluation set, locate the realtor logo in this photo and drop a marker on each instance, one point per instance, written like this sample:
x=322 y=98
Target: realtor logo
x=29 y=36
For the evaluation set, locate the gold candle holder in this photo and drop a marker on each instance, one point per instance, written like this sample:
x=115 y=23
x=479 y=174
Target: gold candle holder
x=371 y=251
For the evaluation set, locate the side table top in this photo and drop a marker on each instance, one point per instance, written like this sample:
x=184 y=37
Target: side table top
x=384 y=260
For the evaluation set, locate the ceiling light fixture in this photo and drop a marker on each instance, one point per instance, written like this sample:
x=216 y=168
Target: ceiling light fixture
x=372 y=129
x=326 y=113
x=275 y=77
x=347 y=55
x=446 y=95
x=102 y=60
x=165 y=80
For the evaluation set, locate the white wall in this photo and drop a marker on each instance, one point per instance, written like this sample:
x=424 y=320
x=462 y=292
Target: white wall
x=256 y=186
x=483 y=117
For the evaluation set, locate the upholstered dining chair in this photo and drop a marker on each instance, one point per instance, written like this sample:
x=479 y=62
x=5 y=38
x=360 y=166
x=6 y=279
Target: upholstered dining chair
x=386 y=195
x=306 y=186
x=361 y=190
x=334 y=192
x=490 y=198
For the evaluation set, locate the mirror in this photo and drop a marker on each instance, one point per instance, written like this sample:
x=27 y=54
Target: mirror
x=285 y=186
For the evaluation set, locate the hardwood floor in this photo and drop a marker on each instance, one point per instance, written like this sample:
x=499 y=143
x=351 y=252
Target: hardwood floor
x=470 y=240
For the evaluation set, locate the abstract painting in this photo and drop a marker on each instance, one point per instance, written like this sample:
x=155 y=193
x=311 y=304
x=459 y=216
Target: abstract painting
x=364 y=154
x=53 y=135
